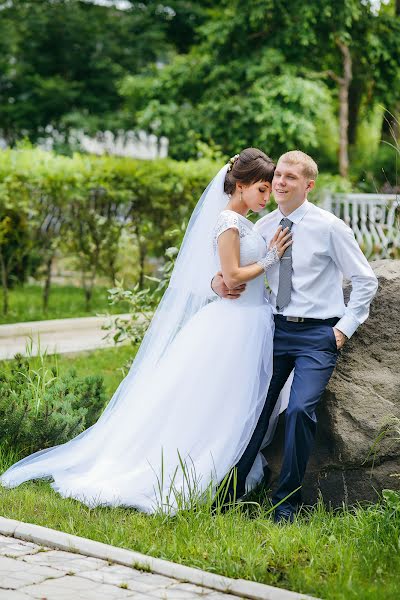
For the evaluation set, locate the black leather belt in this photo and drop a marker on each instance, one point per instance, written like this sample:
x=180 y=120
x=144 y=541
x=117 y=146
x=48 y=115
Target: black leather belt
x=332 y=321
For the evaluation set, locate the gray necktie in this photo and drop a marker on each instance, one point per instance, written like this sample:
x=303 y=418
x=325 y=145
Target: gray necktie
x=285 y=273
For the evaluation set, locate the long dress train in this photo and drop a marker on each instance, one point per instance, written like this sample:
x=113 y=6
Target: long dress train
x=182 y=426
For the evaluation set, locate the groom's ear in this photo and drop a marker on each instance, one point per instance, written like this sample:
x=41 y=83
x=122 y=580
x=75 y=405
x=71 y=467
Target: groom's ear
x=310 y=185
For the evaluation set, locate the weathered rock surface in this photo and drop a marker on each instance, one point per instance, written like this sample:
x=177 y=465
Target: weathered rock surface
x=348 y=464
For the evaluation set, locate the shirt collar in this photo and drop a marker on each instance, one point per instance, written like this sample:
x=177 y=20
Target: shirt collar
x=297 y=215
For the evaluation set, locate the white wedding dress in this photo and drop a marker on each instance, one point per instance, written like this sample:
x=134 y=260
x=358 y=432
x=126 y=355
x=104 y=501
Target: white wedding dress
x=197 y=407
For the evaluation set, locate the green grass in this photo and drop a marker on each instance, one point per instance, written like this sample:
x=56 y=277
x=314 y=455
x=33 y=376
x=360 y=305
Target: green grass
x=65 y=301
x=342 y=555
x=348 y=555
x=108 y=362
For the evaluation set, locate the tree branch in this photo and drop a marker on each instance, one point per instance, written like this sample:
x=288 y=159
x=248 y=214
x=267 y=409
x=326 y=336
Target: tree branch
x=347 y=61
x=326 y=73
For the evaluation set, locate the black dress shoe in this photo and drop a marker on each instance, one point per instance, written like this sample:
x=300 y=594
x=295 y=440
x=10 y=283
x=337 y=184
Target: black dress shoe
x=283 y=516
x=267 y=475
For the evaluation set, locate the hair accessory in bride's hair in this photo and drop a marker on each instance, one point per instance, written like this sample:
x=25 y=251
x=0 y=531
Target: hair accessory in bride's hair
x=232 y=162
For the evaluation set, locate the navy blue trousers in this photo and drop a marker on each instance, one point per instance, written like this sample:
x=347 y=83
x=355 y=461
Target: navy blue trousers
x=310 y=349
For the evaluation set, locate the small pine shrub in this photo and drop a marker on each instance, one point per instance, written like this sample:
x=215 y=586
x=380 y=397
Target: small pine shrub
x=39 y=408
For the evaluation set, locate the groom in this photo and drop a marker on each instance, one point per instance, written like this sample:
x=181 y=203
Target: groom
x=311 y=320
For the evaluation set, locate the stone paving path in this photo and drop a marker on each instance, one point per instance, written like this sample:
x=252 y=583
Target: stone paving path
x=29 y=571
x=55 y=336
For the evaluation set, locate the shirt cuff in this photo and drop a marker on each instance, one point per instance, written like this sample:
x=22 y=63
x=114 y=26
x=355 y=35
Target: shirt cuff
x=347 y=325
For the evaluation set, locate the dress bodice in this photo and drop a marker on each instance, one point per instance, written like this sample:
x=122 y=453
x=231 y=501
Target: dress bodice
x=252 y=249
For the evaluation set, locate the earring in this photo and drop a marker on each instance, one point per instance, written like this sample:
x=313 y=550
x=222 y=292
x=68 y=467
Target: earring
x=241 y=196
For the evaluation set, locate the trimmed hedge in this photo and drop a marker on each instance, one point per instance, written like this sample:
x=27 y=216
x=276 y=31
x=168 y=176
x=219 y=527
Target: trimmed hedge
x=81 y=205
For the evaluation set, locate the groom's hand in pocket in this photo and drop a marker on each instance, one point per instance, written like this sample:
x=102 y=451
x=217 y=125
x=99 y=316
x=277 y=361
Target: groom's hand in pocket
x=340 y=338
x=219 y=287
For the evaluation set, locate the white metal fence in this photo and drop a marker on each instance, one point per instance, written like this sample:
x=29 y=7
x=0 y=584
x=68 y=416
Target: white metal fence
x=374 y=218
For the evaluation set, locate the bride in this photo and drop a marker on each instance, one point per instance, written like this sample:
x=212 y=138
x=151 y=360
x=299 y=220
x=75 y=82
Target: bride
x=185 y=412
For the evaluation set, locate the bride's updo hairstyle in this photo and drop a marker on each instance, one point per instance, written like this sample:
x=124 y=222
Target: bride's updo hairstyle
x=248 y=167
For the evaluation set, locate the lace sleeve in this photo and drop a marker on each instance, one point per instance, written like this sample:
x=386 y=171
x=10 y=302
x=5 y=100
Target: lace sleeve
x=226 y=220
x=271 y=258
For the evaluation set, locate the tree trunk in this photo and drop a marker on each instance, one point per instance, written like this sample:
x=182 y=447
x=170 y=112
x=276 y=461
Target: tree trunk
x=355 y=97
x=4 y=284
x=113 y=277
x=86 y=290
x=46 y=290
x=89 y=289
x=344 y=84
x=142 y=248
x=88 y=297
x=142 y=258
x=90 y=284
x=112 y=269
x=87 y=284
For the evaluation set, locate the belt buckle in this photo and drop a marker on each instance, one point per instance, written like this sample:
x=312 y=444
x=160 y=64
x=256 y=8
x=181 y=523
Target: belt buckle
x=295 y=319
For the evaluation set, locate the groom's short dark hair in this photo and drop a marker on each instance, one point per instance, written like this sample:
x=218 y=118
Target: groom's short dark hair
x=297 y=157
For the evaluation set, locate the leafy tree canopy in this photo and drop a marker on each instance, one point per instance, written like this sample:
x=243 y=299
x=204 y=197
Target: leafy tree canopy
x=61 y=60
x=266 y=73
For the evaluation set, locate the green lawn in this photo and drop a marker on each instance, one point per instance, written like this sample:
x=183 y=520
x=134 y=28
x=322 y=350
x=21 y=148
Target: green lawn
x=346 y=555
x=108 y=362
x=65 y=301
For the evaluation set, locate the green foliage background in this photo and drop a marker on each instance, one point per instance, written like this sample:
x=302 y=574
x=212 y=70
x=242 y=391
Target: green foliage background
x=85 y=207
x=213 y=77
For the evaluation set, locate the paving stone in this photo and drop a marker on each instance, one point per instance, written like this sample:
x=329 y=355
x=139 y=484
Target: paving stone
x=138 y=596
x=12 y=547
x=189 y=587
x=119 y=571
x=30 y=571
x=154 y=578
x=5 y=539
x=220 y=596
x=13 y=595
x=15 y=573
x=68 y=587
x=58 y=335
x=131 y=578
x=177 y=594
x=66 y=561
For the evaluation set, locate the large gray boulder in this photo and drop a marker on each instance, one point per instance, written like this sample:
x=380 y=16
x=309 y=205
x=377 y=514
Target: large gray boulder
x=351 y=460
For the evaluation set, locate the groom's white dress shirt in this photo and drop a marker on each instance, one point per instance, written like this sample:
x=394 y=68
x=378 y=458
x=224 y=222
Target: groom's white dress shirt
x=324 y=250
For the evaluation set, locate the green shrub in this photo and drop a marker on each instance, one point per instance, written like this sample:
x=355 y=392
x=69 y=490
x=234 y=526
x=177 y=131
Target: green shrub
x=40 y=409
x=80 y=206
x=334 y=184
x=381 y=171
x=141 y=303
